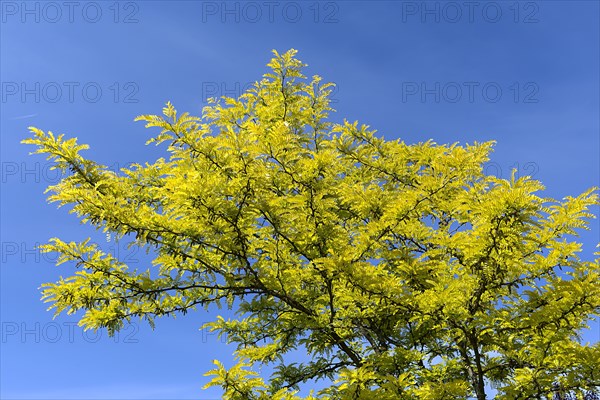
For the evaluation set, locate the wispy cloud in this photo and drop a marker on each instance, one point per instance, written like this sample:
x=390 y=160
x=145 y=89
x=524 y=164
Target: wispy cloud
x=23 y=116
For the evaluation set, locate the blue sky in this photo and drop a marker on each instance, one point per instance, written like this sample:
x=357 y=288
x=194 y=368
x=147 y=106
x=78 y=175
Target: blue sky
x=522 y=73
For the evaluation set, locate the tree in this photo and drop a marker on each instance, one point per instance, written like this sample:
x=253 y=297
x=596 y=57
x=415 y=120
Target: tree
x=403 y=271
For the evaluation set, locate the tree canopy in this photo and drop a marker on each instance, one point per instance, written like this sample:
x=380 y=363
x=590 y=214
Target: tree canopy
x=403 y=271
